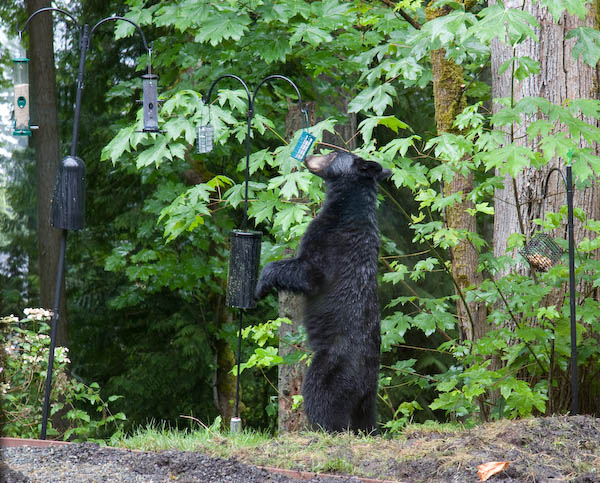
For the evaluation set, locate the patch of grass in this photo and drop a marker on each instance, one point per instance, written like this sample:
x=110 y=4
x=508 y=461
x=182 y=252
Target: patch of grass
x=544 y=448
x=210 y=440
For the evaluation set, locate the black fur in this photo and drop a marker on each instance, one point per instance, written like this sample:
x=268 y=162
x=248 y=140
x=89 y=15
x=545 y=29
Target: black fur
x=336 y=268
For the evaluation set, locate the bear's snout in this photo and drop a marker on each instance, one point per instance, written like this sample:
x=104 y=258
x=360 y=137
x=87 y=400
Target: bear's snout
x=316 y=164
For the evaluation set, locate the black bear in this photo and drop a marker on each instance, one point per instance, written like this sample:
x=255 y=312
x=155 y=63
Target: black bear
x=336 y=268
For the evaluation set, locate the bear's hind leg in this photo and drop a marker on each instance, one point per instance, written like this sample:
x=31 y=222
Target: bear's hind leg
x=363 y=417
x=326 y=404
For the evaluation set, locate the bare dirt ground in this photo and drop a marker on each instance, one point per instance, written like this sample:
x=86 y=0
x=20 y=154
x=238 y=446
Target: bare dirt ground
x=537 y=449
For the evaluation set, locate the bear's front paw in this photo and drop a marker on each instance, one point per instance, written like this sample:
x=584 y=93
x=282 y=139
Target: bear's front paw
x=262 y=289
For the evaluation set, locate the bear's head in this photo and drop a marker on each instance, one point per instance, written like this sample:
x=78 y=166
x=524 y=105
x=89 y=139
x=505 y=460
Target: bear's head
x=344 y=164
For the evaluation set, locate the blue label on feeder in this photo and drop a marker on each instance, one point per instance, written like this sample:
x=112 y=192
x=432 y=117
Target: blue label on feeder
x=304 y=144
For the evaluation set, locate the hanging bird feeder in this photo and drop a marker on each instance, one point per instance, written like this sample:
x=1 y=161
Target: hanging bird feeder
x=150 y=102
x=205 y=137
x=244 y=261
x=304 y=143
x=68 y=203
x=150 y=96
x=542 y=252
x=21 y=103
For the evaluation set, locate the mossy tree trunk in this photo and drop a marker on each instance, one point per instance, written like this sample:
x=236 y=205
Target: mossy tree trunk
x=519 y=202
x=448 y=87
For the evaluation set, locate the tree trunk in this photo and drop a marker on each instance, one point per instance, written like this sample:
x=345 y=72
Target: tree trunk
x=448 y=85
x=46 y=144
x=519 y=202
x=290 y=376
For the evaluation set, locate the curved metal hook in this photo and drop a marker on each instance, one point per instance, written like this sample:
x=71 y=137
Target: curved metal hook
x=46 y=9
x=248 y=122
x=232 y=76
x=279 y=76
x=545 y=186
x=126 y=20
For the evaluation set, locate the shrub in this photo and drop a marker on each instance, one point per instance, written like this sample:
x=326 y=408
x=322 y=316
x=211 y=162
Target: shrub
x=84 y=414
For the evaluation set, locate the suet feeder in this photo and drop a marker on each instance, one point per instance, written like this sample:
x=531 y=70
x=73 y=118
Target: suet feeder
x=244 y=260
x=206 y=136
x=542 y=252
x=67 y=211
x=304 y=143
x=150 y=101
x=21 y=84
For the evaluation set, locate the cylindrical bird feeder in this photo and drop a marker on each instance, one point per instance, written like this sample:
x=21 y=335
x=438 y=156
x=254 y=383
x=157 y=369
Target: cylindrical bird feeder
x=68 y=203
x=21 y=84
x=244 y=259
x=150 y=101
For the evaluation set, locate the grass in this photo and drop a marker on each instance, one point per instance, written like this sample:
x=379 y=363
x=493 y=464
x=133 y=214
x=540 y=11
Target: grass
x=311 y=451
x=422 y=452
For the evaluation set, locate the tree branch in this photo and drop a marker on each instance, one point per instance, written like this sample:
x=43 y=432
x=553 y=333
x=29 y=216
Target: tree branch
x=403 y=14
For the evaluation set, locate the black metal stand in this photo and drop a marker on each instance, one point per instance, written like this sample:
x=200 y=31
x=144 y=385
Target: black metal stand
x=69 y=220
x=55 y=315
x=568 y=180
x=574 y=371
x=242 y=296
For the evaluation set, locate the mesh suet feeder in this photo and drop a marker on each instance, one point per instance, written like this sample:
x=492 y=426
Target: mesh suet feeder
x=206 y=136
x=542 y=252
x=304 y=143
x=21 y=101
x=68 y=203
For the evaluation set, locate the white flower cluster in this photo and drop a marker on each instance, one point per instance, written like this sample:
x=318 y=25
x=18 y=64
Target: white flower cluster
x=38 y=314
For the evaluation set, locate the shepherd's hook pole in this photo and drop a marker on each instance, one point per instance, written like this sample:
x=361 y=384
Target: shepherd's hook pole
x=574 y=371
x=55 y=315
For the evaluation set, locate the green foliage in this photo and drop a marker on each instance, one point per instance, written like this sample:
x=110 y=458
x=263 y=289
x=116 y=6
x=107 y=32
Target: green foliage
x=146 y=280
x=24 y=365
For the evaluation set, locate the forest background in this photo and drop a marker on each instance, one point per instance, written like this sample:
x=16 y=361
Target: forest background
x=470 y=104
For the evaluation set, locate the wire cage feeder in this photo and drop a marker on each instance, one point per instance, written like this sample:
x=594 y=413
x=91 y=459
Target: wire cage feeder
x=542 y=252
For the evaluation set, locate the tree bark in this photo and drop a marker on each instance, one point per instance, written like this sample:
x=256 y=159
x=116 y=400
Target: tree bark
x=448 y=85
x=520 y=201
x=290 y=376
x=46 y=144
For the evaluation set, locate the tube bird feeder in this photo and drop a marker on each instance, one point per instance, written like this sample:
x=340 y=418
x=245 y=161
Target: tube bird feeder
x=244 y=260
x=21 y=101
x=150 y=102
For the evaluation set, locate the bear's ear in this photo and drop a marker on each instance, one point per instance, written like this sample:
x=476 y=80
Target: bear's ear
x=372 y=169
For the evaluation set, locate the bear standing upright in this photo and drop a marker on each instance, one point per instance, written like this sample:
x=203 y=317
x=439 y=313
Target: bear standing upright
x=336 y=268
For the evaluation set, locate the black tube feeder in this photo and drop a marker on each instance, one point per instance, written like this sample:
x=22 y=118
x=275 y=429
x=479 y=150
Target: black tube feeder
x=244 y=261
x=150 y=102
x=68 y=203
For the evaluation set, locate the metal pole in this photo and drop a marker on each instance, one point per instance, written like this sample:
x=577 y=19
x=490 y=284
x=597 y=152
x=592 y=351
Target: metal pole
x=55 y=315
x=574 y=376
x=236 y=422
x=83 y=44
